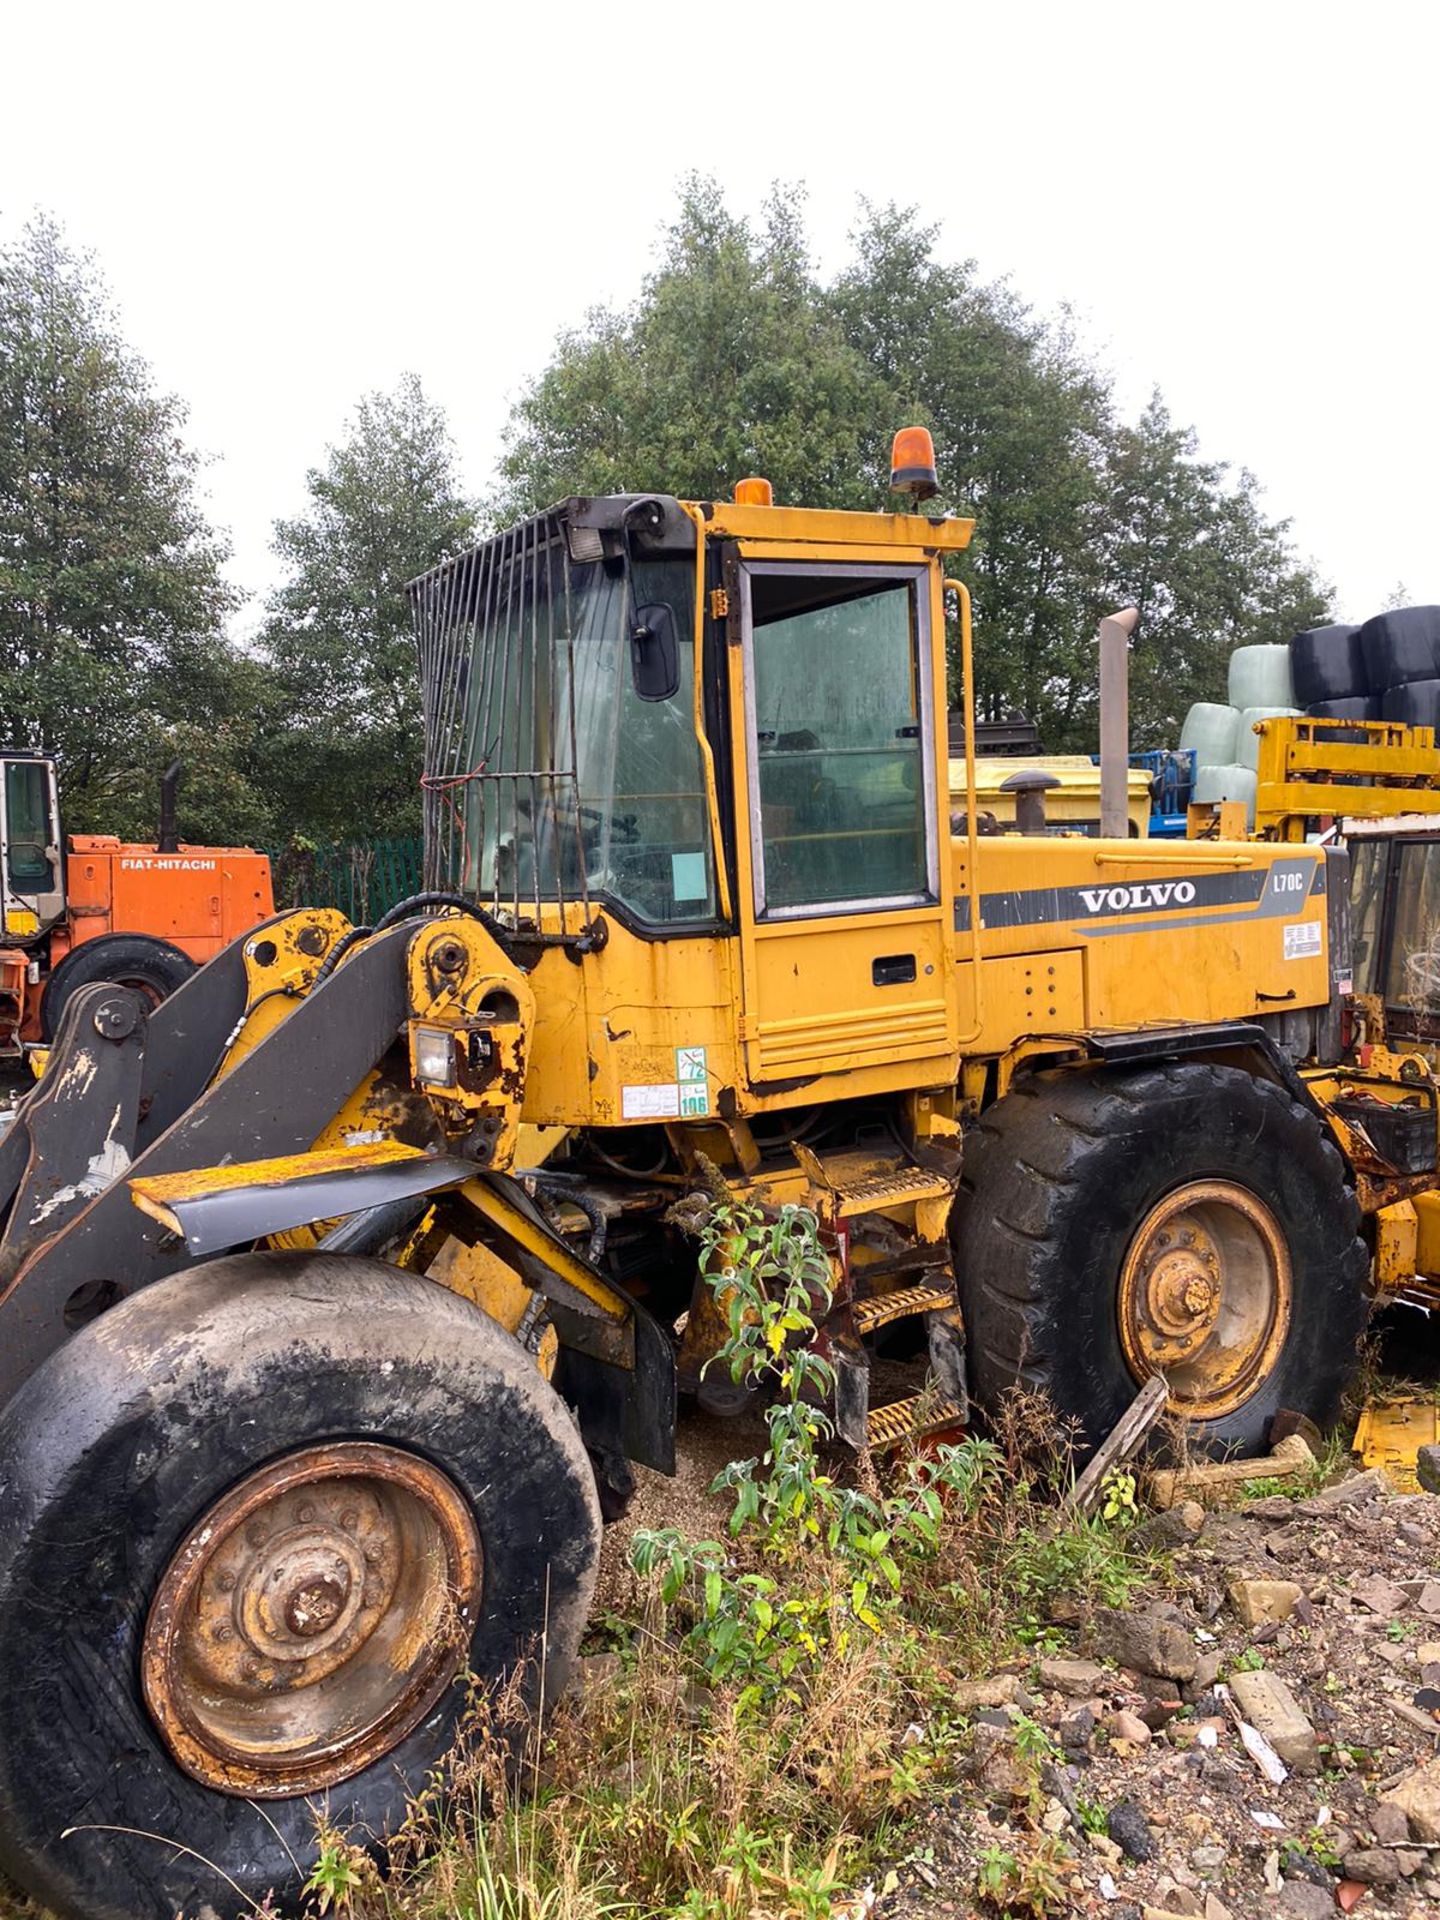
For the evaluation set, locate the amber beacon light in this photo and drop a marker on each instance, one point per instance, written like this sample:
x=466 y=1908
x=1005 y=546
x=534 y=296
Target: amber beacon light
x=754 y=492
x=912 y=463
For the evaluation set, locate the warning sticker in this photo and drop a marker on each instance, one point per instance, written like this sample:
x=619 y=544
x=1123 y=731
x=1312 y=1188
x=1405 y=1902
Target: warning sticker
x=690 y=1064
x=650 y=1103
x=1303 y=941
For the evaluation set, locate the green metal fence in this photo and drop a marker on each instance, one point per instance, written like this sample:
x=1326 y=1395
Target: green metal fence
x=362 y=878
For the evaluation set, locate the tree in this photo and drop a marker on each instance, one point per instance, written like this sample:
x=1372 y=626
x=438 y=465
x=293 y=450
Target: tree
x=736 y=358
x=344 y=743
x=112 y=594
x=1190 y=547
x=727 y=364
x=1020 y=420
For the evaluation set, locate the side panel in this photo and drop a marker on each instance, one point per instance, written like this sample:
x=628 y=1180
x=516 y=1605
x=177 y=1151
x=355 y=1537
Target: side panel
x=199 y=899
x=1204 y=932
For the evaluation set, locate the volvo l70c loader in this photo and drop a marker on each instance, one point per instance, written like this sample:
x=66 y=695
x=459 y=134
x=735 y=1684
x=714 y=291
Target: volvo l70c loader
x=341 y=1289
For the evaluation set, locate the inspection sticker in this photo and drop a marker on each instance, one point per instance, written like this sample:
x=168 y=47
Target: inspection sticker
x=650 y=1103
x=690 y=1064
x=1302 y=941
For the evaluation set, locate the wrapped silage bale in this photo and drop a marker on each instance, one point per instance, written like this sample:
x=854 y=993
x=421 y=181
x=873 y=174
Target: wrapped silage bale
x=1400 y=646
x=1366 y=706
x=1211 y=731
x=1417 y=703
x=1247 y=741
x=1227 y=783
x=1327 y=664
x=1260 y=677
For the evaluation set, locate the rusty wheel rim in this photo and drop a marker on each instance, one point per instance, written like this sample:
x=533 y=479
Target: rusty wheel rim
x=311 y=1618
x=149 y=993
x=1205 y=1296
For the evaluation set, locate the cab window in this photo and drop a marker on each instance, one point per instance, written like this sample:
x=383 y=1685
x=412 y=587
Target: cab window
x=28 y=867
x=838 y=765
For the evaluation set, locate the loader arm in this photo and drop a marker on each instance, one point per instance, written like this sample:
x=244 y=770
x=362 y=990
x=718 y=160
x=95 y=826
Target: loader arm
x=288 y=1104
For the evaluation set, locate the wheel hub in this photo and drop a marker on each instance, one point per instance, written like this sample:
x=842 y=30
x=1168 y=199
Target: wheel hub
x=311 y=1618
x=1205 y=1296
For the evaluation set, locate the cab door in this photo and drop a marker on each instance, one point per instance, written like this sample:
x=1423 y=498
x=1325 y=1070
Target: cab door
x=846 y=911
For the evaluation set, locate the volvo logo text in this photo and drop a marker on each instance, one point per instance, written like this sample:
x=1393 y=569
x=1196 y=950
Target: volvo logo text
x=1148 y=893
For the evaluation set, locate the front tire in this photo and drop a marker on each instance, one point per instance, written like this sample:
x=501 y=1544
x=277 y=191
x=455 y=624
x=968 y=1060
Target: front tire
x=144 y=1463
x=151 y=968
x=1188 y=1219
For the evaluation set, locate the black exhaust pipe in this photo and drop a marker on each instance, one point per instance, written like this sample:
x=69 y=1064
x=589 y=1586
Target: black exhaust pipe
x=168 y=840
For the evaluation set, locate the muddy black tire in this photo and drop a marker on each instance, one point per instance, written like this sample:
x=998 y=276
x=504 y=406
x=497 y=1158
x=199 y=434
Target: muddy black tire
x=153 y=968
x=1061 y=1179
x=119 y=1444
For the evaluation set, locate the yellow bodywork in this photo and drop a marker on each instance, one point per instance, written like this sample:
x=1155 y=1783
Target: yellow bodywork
x=1024 y=950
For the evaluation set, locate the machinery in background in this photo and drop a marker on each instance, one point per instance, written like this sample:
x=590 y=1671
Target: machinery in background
x=96 y=908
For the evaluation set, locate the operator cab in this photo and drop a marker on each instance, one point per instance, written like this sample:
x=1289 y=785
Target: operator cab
x=571 y=756
x=1395 y=922
x=32 y=875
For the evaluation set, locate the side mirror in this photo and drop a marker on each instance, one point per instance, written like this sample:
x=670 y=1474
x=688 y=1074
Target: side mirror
x=655 y=652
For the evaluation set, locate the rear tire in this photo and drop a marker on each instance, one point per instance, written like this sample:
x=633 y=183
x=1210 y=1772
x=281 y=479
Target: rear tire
x=122 y=1444
x=1071 y=1186
x=150 y=967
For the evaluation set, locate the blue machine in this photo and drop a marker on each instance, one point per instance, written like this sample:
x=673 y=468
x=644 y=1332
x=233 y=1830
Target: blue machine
x=1172 y=781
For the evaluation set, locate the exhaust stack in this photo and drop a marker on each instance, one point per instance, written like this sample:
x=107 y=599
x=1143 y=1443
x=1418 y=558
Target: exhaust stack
x=168 y=840
x=1114 y=639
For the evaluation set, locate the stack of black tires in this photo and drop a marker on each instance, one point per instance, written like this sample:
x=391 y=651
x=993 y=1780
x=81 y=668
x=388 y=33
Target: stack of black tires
x=1387 y=669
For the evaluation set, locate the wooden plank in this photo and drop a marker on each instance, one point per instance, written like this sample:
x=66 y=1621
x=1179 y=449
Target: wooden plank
x=1122 y=1443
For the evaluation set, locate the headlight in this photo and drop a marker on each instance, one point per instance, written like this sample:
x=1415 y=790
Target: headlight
x=434 y=1055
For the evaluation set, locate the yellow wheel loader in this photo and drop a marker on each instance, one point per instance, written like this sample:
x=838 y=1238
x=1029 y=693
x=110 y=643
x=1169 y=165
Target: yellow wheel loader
x=342 y=1289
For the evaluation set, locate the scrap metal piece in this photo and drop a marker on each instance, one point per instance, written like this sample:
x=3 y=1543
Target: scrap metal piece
x=216 y=1208
x=1390 y=1433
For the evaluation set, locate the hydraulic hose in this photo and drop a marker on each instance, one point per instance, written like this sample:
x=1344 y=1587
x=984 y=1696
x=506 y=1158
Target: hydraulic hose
x=416 y=903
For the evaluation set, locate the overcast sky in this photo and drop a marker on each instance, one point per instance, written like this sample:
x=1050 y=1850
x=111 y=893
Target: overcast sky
x=294 y=204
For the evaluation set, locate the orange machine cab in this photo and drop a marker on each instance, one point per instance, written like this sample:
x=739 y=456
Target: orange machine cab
x=198 y=898
x=93 y=907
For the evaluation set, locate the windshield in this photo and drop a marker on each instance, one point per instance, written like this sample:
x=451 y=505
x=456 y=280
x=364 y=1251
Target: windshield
x=27 y=805
x=549 y=775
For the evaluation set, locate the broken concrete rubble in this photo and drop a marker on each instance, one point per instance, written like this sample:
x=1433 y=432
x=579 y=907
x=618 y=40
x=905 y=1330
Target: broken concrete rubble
x=1153 y=1639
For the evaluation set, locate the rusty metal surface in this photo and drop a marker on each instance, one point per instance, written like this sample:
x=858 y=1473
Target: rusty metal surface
x=77 y=1127
x=1205 y=1296
x=311 y=1618
x=922 y=1413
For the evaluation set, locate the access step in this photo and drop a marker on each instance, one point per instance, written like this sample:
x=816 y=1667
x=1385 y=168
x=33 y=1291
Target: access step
x=881 y=1308
x=904 y=1188
x=922 y=1413
x=875 y=1192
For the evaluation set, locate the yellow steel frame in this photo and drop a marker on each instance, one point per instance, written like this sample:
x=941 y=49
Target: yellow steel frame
x=1396 y=770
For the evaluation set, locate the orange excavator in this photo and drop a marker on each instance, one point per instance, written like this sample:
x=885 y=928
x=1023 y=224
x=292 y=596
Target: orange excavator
x=96 y=908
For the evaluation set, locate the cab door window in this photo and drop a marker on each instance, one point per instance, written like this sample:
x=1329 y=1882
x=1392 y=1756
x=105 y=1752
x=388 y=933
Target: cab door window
x=28 y=866
x=839 y=772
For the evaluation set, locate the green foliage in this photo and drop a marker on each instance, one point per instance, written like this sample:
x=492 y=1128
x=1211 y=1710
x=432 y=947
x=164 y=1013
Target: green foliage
x=736 y=358
x=1031 y=1881
x=830 y=1556
x=1118 y=1503
x=342 y=737
x=111 y=591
